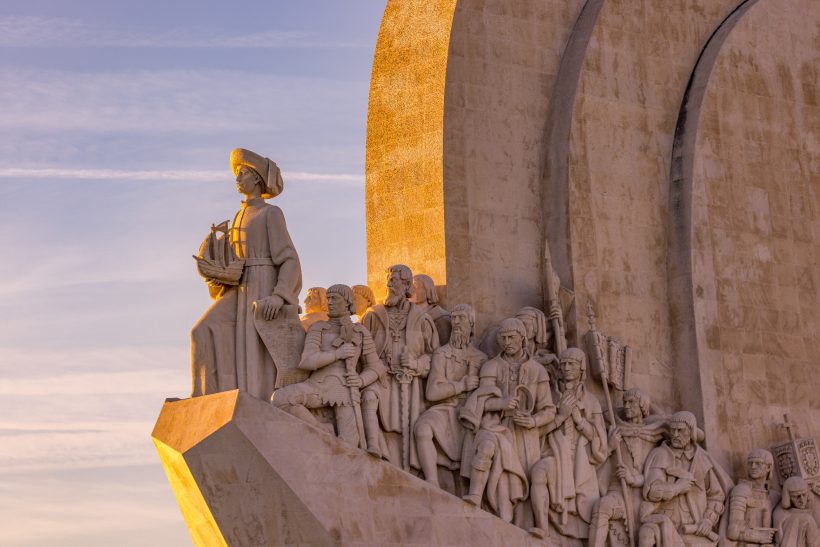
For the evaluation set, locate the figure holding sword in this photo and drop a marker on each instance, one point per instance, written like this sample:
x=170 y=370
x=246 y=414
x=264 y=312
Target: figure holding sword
x=342 y=359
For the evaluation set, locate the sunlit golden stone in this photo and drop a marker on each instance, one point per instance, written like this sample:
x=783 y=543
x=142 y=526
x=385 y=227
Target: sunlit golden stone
x=404 y=158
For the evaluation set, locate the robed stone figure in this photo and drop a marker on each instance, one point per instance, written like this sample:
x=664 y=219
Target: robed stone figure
x=227 y=352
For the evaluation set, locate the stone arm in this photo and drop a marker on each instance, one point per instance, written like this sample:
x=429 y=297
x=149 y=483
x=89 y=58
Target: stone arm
x=372 y=366
x=285 y=259
x=487 y=380
x=656 y=486
x=313 y=358
x=715 y=498
x=737 y=529
x=431 y=344
x=544 y=409
x=439 y=387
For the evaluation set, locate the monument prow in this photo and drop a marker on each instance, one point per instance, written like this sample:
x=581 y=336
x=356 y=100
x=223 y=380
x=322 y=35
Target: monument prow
x=247 y=473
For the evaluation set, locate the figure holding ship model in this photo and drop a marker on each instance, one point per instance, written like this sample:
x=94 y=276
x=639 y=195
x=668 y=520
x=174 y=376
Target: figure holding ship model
x=254 y=275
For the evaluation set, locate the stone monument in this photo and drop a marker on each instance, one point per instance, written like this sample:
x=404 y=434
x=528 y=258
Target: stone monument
x=654 y=163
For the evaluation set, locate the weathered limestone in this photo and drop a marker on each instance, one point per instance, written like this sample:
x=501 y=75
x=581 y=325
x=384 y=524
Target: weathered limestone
x=667 y=152
x=246 y=473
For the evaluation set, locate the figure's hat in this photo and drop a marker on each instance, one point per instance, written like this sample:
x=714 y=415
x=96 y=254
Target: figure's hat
x=264 y=167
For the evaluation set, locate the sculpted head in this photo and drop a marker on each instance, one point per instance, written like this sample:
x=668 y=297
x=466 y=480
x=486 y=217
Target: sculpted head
x=759 y=464
x=512 y=336
x=399 y=284
x=462 y=319
x=636 y=404
x=683 y=429
x=536 y=323
x=424 y=290
x=253 y=172
x=795 y=493
x=573 y=365
x=315 y=300
x=363 y=296
x=340 y=301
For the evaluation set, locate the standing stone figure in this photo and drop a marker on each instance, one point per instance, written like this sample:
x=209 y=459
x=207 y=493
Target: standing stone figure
x=425 y=297
x=637 y=437
x=405 y=339
x=315 y=307
x=363 y=296
x=564 y=483
x=341 y=358
x=453 y=375
x=226 y=349
x=684 y=489
x=795 y=524
x=751 y=504
x=506 y=411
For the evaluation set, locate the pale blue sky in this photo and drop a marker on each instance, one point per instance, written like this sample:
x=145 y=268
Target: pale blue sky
x=116 y=121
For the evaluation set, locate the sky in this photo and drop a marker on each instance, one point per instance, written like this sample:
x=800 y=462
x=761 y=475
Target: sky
x=116 y=124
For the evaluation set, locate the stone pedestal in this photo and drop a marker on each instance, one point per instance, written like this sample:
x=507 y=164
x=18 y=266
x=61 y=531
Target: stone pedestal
x=245 y=473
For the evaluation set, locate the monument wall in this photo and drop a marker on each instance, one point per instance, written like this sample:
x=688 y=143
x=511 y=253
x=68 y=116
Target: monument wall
x=667 y=150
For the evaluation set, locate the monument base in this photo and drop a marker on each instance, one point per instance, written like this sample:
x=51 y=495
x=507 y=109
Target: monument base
x=246 y=473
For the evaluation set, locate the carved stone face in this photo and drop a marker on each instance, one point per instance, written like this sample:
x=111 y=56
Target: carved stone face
x=337 y=306
x=800 y=498
x=529 y=324
x=570 y=369
x=632 y=408
x=757 y=468
x=246 y=180
x=419 y=293
x=460 y=322
x=396 y=288
x=511 y=342
x=679 y=435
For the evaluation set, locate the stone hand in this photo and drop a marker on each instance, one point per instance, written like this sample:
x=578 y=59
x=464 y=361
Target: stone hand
x=567 y=405
x=353 y=380
x=269 y=306
x=627 y=474
x=345 y=351
x=704 y=527
x=555 y=310
x=469 y=383
x=511 y=403
x=406 y=361
x=524 y=420
x=684 y=484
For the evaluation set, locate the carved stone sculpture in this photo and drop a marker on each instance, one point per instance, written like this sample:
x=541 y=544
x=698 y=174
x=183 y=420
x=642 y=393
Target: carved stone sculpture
x=506 y=412
x=751 y=503
x=227 y=351
x=564 y=484
x=341 y=358
x=425 y=296
x=684 y=489
x=364 y=298
x=315 y=307
x=793 y=520
x=405 y=338
x=453 y=375
x=637 y=434
x=539 y=335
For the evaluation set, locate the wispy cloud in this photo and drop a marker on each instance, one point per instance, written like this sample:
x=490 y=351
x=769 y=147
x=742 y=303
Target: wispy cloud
x=166 y=175
x=38 y=32
x=158 y=103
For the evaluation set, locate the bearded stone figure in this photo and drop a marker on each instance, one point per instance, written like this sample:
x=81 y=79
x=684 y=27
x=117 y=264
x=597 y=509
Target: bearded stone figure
x=405 y=338
x=453 y=375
